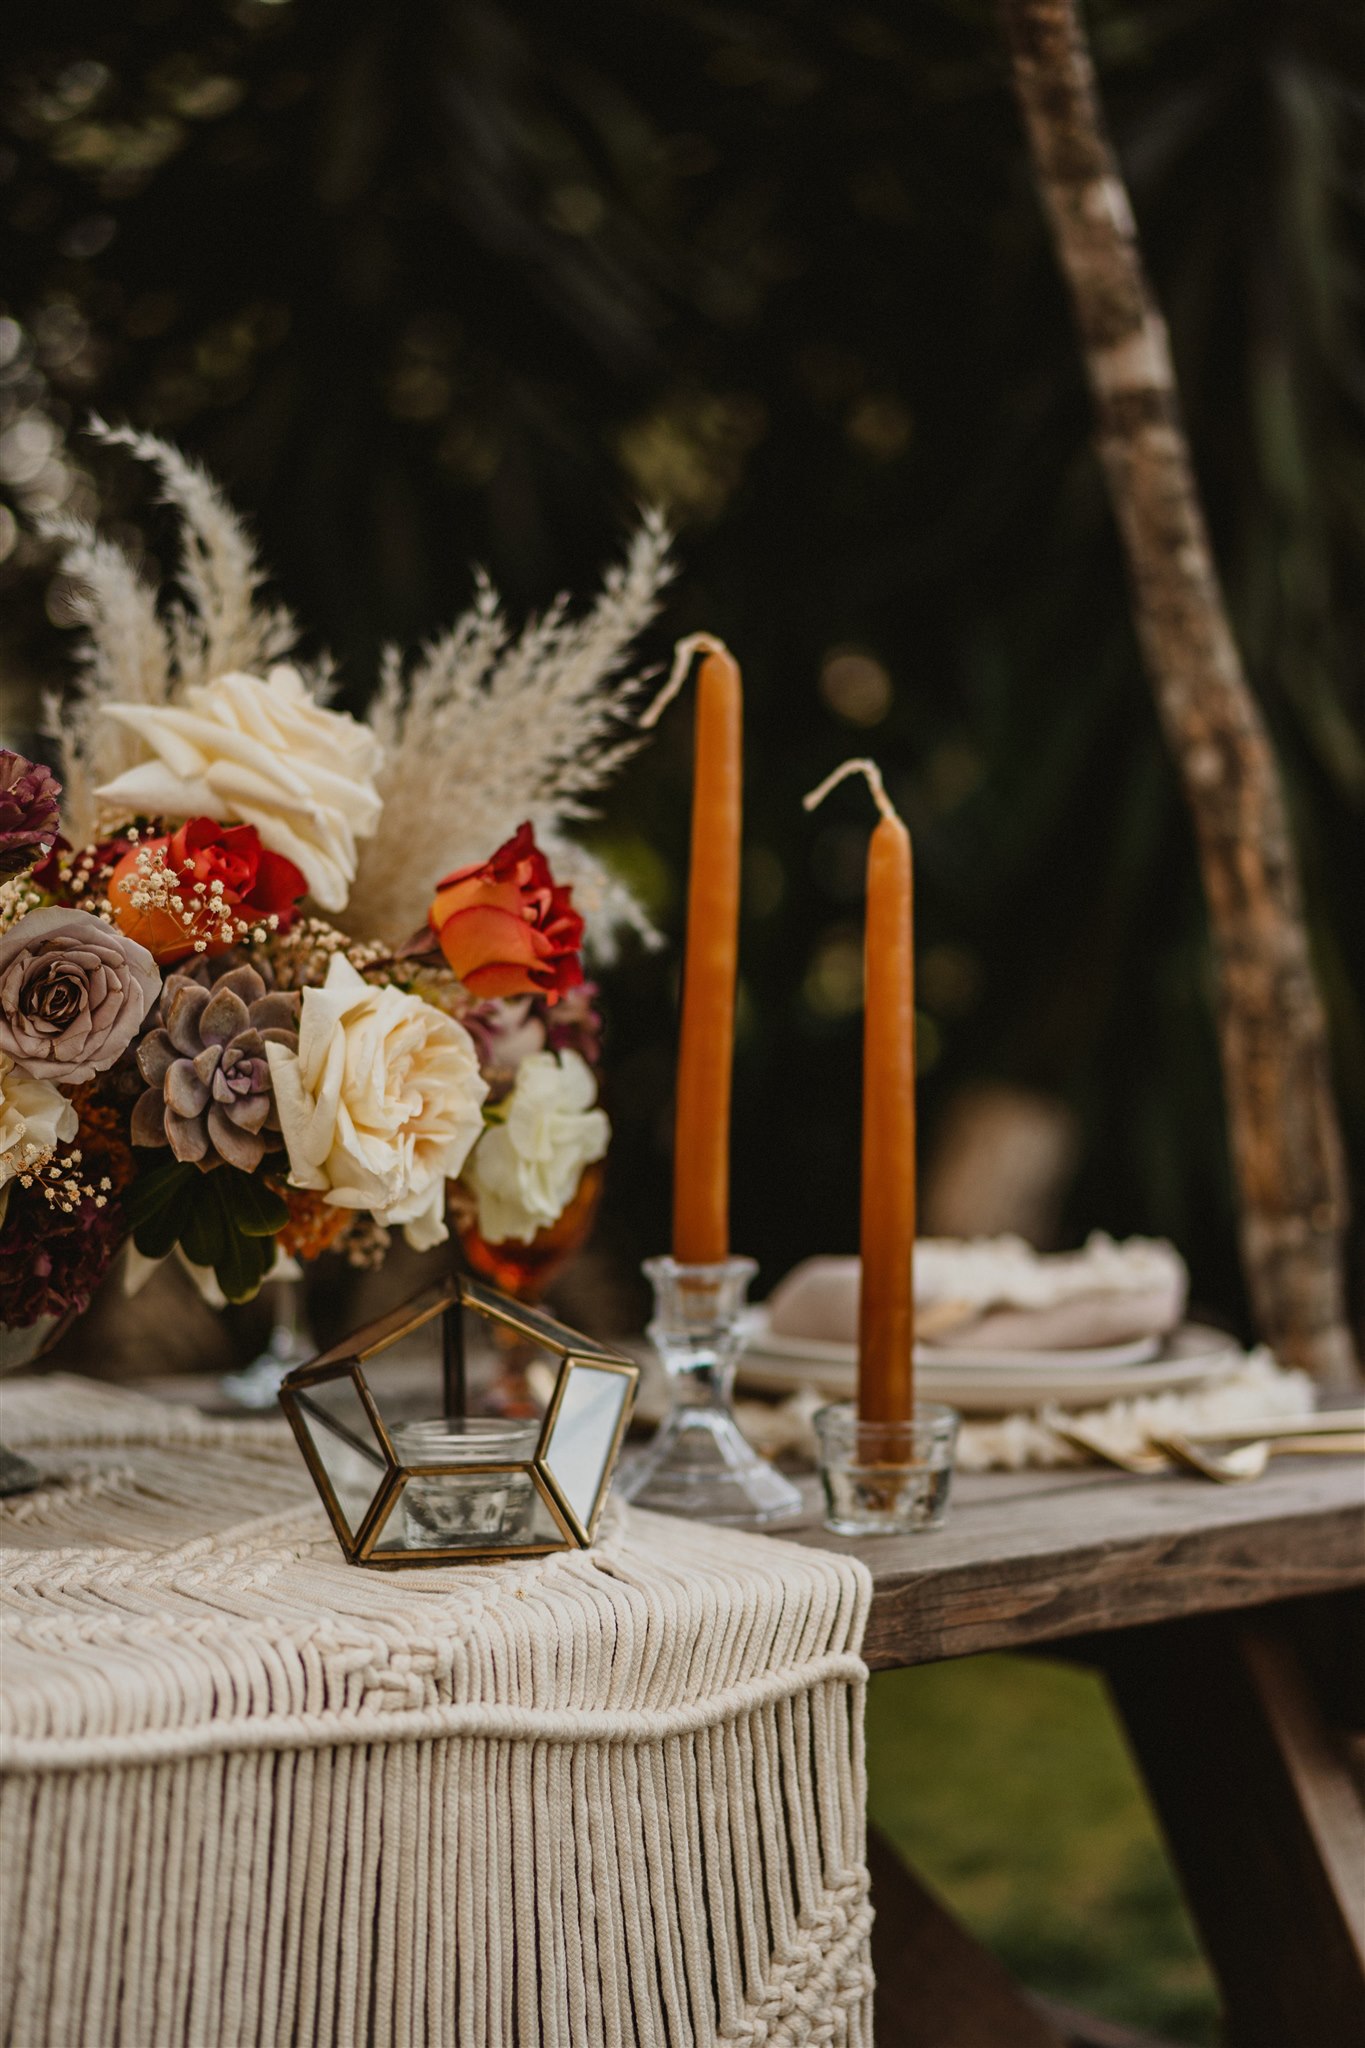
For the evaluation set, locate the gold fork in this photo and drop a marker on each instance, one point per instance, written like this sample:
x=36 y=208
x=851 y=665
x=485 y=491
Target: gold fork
x=1244 y=1461
x=1146 y=1462
x=1248 y=1461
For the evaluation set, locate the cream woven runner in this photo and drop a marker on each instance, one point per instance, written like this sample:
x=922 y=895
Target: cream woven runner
x=254 y=1796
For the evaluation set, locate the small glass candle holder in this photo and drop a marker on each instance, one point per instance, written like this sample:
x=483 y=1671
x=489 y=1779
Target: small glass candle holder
x=479 y=1506
x=886 y=1478
x=700 y=1463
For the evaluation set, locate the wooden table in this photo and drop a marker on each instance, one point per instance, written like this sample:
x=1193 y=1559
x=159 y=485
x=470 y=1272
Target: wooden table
x=1229 y=1622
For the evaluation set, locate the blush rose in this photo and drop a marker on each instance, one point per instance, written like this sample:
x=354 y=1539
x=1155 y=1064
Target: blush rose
x=74 y=992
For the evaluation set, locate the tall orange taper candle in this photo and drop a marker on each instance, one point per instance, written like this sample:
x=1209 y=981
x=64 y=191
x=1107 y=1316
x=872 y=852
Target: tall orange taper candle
x=701 y=1156
x=886 y=1323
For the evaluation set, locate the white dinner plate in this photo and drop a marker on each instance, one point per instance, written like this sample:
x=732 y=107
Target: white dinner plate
x=825 y=1351
x=1192 y=1356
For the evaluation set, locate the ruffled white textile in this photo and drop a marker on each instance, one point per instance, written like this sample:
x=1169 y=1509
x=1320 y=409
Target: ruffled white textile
x=1259 y=1392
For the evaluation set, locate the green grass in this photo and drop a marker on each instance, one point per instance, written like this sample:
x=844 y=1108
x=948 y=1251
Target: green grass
x=1006 y=1784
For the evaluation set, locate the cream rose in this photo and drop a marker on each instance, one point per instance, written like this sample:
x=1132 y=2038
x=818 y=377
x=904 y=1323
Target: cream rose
x=35 y=1118
x=381 y=1103
x=526 y=1170
x=263 y=753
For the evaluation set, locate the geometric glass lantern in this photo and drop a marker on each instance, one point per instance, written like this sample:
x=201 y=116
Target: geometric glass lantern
x=408 y=1478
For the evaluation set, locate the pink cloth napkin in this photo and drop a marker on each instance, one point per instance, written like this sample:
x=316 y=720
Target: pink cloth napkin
x=998 y=1294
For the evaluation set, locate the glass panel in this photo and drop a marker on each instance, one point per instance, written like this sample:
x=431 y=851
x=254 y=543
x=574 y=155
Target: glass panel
x=584 y=1431
x=534 y=1322
x=407 y=1379
x=342 y=1434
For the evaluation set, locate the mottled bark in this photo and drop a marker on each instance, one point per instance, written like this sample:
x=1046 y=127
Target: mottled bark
x=1285 y=1138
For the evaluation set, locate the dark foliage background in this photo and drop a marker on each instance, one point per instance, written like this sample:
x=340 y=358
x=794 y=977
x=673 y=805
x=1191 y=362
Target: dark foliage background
x=428 y=284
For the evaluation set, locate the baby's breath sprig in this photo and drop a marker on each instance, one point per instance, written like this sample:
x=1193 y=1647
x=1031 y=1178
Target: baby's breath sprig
x=56 y=1176
x=434 y=984
x=18 y=895
x=201 y=909
x=301 y=955
x=86 y=873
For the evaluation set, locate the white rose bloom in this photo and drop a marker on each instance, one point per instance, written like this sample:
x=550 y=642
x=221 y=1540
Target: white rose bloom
x=382 y=1102
x=262 y=753
x=35 y=1118
x=526 y=1170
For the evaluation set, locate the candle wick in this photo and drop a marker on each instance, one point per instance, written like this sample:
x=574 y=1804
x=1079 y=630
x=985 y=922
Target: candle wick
x=695 y=643
x=863 y=767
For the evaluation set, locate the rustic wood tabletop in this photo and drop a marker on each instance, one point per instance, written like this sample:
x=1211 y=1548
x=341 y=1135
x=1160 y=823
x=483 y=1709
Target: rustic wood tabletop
x=1039 y=1557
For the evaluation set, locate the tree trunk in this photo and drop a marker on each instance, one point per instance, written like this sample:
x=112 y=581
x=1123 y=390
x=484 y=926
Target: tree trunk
x=1285 y=1139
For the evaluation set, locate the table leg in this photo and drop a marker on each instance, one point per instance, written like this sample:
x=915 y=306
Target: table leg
x=937 y=1987
x=1243 y=1734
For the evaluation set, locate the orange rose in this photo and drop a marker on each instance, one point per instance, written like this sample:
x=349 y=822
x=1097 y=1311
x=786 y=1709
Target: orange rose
x=506 y=928
x=200 y=888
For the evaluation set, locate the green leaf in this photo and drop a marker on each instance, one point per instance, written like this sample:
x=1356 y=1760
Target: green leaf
x=157 y=1235
x=242 y=1265
x=257 y=1210
x=226 y=1220
x=239 y=1261
x=205 y=1226
x=158 y=1188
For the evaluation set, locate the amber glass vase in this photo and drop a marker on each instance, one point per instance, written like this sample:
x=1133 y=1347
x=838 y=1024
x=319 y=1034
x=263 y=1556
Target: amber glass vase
x=525 y=1270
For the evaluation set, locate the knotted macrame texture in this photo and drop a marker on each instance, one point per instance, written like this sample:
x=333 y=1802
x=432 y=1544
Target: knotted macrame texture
x=254 y=1796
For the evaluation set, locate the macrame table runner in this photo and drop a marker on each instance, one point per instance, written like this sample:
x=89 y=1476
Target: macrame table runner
x=252 y=1795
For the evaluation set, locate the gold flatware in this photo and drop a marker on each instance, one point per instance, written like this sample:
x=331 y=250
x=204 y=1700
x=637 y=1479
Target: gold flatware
x=1249 y=1460
x=1247 y=1456
x=1146 y=1462
x=1332 y=1422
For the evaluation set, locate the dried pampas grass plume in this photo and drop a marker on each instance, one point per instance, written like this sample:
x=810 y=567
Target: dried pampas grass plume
x=138 y=647
x=486 y=730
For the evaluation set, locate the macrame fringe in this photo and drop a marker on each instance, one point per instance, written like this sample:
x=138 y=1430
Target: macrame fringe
x=254 y=1798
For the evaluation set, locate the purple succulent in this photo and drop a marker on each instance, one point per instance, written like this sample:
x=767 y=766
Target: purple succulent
x=208 y=1093
x=29 y=815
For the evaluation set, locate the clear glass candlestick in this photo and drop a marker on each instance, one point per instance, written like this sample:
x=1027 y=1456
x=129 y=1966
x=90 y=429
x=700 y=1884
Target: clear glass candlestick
x=886 y=1478
x=699 y=1463
x=290 y=1342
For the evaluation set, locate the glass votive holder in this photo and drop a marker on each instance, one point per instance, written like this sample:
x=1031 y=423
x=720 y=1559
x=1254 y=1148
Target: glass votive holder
x=466 y=1502
x=885 y=1478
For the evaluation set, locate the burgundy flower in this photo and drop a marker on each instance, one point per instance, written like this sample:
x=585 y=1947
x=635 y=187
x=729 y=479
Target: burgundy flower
x=575 y=1025
x=28 y=812
x=53 y=1254
x=51 y=1262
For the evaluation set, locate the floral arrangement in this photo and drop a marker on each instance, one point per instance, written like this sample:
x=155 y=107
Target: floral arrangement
x=275 y=979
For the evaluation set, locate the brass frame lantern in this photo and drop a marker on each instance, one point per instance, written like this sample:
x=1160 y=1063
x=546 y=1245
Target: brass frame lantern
x=361 y=1477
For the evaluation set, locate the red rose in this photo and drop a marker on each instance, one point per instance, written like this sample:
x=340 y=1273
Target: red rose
x=506 y=928
x=207 y=882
